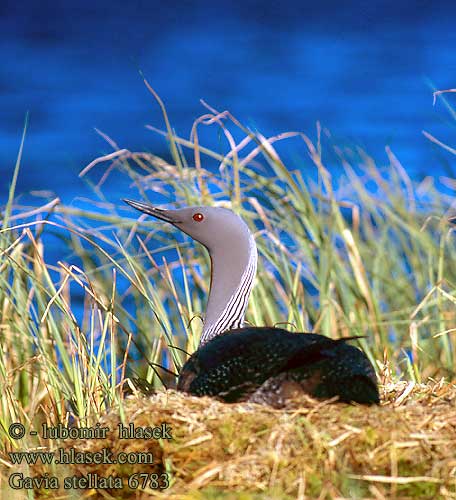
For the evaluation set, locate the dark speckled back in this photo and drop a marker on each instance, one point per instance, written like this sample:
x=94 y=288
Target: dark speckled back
x=242 y=363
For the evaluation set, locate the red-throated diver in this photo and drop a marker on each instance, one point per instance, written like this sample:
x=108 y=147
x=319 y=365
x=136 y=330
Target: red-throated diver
x=260 y=364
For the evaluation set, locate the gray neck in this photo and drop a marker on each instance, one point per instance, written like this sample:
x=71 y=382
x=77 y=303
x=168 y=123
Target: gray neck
x=233 y=271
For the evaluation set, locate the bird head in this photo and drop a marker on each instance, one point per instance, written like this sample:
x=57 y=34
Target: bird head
x=213 y=227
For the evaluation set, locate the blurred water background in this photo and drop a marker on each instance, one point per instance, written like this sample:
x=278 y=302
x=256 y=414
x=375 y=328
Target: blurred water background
x=364 y=69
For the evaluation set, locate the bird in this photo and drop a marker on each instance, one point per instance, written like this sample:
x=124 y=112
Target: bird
x=266 y=365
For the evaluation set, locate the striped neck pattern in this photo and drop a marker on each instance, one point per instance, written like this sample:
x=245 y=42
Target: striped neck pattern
x=232 y=315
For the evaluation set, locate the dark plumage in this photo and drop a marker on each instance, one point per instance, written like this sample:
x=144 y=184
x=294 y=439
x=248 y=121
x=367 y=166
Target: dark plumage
x=268 y=365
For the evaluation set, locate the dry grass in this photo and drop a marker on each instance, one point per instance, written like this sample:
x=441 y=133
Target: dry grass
x=359 y=249
x=404 y=448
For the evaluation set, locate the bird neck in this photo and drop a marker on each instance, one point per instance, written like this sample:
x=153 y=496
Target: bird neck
x=232 y=274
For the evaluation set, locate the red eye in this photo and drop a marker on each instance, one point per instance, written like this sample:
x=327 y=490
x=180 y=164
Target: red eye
x=198 y=217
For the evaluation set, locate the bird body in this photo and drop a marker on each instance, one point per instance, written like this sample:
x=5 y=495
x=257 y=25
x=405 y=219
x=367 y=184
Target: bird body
x=259 y=364
x=269 y=365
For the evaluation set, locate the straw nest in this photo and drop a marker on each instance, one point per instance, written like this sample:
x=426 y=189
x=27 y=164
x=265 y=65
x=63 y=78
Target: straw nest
x=405 y=448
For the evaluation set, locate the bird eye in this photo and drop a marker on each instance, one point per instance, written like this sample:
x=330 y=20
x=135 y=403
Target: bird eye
x=198 y=217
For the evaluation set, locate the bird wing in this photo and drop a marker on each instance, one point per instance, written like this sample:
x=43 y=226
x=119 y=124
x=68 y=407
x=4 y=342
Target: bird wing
x=235 y=364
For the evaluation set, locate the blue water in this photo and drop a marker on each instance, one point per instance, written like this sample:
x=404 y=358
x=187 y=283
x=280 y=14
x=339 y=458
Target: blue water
x=365 y=70
x=361 y=68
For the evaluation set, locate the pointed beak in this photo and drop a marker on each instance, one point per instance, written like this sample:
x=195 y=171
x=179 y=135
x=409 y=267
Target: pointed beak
x=159 y=213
